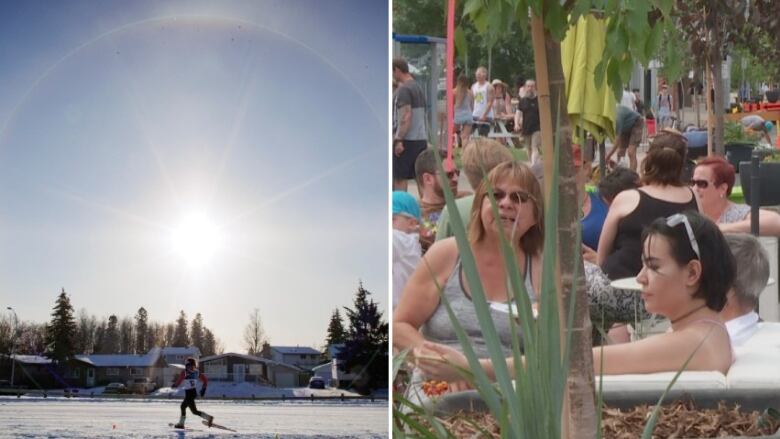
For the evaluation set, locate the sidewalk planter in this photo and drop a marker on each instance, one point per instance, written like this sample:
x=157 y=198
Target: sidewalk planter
x=737 y=152
x=753 y=382
x=770 y=182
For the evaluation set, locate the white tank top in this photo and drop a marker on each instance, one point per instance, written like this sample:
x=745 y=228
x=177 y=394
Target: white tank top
x=480 y=100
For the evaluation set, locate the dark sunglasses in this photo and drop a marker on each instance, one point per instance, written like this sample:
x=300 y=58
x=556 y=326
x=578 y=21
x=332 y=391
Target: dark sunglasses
x=701 y=184
x=452 y=174
x=515 y=197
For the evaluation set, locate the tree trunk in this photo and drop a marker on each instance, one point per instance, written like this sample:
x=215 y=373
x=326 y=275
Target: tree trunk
x=579 y=414
x=717 y=106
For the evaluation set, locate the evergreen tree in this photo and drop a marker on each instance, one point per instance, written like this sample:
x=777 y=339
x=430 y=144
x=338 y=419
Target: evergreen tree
x=141 y=331
x=169 y=334
x=181 y=337
x=61 y=332
x=209 y=343
x=196 y=332
x=126 y=336
x=336 y=332
x=365 y=349
x=110 y=343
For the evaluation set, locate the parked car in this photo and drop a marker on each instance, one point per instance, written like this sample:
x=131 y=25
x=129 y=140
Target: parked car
x=316 y=383
x=115 y=388
x=142 y=385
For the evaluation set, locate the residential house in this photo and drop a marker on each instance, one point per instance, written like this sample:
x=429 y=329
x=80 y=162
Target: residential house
x=339 y=377
x=302 y=357
x=248 y=368
x=102 y=369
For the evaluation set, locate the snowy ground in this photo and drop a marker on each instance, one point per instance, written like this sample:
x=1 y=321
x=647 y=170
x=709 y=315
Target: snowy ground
x=32 y=417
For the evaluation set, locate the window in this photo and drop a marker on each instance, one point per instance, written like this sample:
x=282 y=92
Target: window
x=112 y=371
x=136 y=371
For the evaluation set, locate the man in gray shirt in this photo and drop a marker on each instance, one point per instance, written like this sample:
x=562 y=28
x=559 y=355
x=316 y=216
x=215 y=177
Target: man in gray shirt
x=409 y=138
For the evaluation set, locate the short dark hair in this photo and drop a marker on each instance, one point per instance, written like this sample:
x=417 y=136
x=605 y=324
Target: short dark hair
x=401 y=64
x=665 y=160
x=718 y=267
x=425 y=164
x=617 y=181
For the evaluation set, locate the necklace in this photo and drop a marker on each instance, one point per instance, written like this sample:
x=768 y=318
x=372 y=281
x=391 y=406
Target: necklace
x=688 y=314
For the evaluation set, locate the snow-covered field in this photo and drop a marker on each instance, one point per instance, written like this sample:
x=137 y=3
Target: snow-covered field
x=53 y=417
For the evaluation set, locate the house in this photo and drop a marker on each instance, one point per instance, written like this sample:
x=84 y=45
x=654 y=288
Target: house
x=102 y=369
x=299 y=356
x=325 y=371
x=174 y=358
x=248 y=368
x=340 y=378
x=161 y=365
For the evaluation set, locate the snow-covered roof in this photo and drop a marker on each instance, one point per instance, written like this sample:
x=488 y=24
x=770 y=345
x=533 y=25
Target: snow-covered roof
x=192 y=350
x=233 y=354
x=121 y=360
x=266 y=361
x=325 y=366
x=295 y=350
x=31 y=359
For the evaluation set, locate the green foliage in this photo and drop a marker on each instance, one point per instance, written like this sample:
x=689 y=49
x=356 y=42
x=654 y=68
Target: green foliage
x=527 y=402
x=336 y=332
x=734 y=133
x=512 y=55
x=61 y=332
x=366 y=345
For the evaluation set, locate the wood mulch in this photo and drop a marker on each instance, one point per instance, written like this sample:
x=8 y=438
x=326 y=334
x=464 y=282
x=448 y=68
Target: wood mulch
x=679 y=420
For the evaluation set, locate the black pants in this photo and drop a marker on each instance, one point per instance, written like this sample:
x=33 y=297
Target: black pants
x=189 y=401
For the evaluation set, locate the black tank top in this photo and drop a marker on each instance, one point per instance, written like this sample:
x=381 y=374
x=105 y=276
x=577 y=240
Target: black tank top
x=626 y=257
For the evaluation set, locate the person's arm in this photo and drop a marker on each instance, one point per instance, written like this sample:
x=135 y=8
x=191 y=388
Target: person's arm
x=623 y=204
x=660 y=353
x=490 y=98
x=179 y=379
x=507 y=104
x=420 y=296
x=519 y=116
x=768 y=224
x=205 y=382
x=404 y=121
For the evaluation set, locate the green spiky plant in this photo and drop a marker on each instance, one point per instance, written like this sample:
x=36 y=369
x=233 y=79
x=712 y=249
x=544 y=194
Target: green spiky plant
x=527 y=402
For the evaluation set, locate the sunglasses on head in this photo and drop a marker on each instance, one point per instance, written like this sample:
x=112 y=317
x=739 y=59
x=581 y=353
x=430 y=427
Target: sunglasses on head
x=701 y=184
x=515 y=197
x=676 y=220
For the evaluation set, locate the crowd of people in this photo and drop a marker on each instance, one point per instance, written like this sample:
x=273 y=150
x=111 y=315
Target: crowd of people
x=670 y=228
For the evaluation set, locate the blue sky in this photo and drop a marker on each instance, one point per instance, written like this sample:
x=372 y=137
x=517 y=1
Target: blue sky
x=137 y=135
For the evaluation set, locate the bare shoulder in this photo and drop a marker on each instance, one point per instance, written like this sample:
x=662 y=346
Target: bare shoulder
x=442 y=254
x=625 y=202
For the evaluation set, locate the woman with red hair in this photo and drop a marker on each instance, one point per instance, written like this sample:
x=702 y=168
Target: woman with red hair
x=712 y=182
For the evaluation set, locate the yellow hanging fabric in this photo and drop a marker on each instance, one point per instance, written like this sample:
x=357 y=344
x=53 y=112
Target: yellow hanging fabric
x=590 y=107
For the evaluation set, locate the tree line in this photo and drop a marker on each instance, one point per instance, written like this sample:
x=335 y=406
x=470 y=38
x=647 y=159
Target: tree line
x=69 y=334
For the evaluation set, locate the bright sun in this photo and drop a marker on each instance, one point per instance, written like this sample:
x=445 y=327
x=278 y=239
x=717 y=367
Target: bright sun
x=196 y=239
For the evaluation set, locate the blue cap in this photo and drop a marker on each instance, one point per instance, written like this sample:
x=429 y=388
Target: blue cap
x=768 y=125
x=404 y=203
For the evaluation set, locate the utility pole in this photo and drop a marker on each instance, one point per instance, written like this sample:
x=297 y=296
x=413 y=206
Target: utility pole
x=13 y=344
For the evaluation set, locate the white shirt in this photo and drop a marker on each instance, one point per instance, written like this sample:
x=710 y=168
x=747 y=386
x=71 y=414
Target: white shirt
x=481 y=100
x=407 y=253
x=628 y=100
x=742 y=328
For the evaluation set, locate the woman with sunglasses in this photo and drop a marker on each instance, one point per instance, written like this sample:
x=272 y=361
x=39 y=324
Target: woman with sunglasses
x=662 y=193
x=421 y=316
x=712 y=182
x=687 y=269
